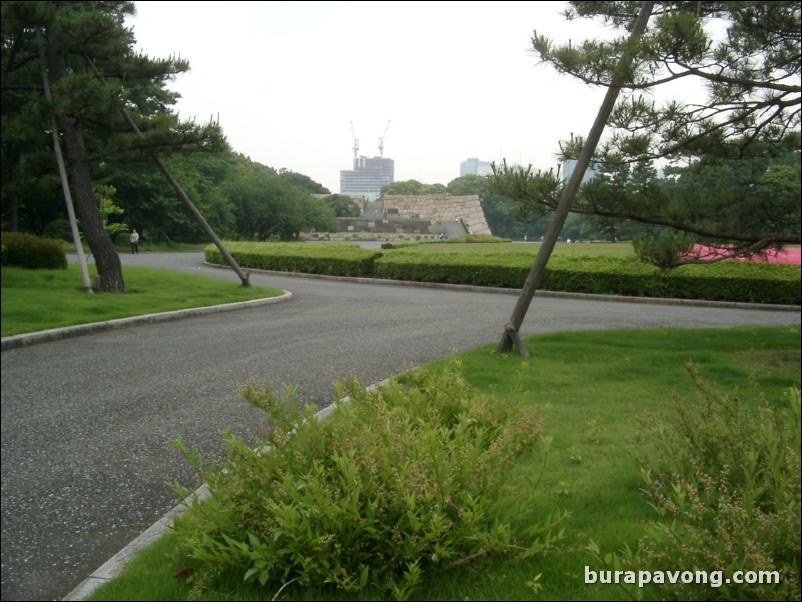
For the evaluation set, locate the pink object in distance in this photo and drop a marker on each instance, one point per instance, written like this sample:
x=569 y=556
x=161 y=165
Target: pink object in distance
x=788 y=255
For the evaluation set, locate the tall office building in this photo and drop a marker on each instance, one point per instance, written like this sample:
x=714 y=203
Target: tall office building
x=367 y=177
x=475 y=167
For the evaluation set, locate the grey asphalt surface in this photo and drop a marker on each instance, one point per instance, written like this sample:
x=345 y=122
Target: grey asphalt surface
x=86 y=421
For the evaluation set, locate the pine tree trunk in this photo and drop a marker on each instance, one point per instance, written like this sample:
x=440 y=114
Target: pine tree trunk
x=511 y=338
x=107 y=261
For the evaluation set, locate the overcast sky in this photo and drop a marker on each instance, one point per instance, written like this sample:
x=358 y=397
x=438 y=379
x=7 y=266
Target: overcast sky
x=454 y=79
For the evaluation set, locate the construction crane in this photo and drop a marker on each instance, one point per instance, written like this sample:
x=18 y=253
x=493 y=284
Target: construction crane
x=381 y=140
x=356 y=142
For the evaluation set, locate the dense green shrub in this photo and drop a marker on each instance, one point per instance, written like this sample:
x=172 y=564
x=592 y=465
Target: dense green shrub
x=59 y=229
x=601 y=276
x=29 y=251
x=662 y=248
x=400 y=244
x=398 y=483
x=724 y=477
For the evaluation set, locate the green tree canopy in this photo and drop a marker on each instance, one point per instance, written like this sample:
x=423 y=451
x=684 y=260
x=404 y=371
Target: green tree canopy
x=266 y=206
x=94 y=72
x=412 y=187
x=342 y=205
x=466 y=185
x=303 y=182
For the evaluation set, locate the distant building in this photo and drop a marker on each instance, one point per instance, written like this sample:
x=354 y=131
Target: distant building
x=569 y=165
x=367 y=177
x=475 y=167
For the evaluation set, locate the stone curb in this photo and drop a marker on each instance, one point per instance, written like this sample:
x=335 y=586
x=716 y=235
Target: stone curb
x=115 y=565
x=55 y=334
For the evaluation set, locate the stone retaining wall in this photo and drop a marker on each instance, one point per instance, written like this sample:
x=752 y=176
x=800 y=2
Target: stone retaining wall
x=440 y=208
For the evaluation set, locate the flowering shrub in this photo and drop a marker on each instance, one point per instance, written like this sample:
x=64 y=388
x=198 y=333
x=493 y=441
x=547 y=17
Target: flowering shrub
x=707 y=253
x=724 y=478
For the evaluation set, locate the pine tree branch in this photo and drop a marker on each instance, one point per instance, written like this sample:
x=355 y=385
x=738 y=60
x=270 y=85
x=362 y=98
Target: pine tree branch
x=655 y=220
x=766 y=84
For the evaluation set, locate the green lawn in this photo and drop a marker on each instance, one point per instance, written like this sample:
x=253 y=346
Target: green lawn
x=34 y=300
x=592 y=389
x=561 y=249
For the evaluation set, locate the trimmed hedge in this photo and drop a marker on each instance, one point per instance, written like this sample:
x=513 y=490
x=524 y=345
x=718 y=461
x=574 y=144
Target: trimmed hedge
x=332 y=259
x=29 y=251
x=751 y=282
x=506 y=270
x=733 y=281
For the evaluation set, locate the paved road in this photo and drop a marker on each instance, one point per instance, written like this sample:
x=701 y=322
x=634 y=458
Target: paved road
x=86 y=421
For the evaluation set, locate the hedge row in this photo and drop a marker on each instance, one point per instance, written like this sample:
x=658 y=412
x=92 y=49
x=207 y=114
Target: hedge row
x=29 y=251
x=734 y=281
x=331 y=259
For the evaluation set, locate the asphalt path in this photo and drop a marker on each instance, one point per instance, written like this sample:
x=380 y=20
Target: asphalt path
x=86 y=421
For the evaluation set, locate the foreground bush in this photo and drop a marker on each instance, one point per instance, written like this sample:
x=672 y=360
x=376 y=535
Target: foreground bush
x=29 y=251
x=725 y=481
x=398 y=483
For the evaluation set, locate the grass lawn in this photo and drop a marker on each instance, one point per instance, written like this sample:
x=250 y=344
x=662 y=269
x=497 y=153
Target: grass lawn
x=122 y=246
x=591 y=389
x=561 y=249
x=34 y=300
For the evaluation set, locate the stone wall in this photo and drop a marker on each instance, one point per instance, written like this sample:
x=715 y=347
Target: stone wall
x=440 y=208
x=390 y=225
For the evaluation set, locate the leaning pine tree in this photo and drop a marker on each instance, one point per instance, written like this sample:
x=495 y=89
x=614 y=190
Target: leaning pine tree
x=732 y=157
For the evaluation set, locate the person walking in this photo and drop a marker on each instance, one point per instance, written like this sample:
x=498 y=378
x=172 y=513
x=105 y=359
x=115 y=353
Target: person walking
x=134 y=242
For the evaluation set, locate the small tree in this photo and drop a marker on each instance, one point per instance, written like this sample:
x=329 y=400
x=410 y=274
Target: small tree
x=620 y=76
x=746 y=55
